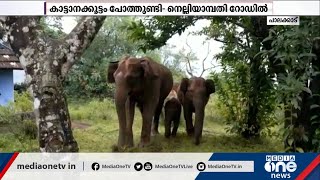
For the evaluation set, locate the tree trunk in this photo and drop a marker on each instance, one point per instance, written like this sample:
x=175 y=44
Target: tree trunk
x=253 y=127
x=46 y=62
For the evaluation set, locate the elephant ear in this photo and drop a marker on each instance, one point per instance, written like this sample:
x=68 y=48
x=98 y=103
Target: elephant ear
x=149 y=71
x=210 y=86
x=113 y=66
x=184 y=85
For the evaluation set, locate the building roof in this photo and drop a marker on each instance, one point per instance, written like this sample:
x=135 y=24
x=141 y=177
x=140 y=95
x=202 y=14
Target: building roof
x=8 y=60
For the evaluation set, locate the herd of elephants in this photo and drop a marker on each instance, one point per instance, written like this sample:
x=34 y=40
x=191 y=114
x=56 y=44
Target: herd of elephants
x=149 y=85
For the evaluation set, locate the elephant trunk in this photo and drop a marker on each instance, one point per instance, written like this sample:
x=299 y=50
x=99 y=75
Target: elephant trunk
x=120 y=101
x=198 y=124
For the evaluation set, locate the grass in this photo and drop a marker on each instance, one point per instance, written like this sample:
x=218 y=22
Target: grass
x=102 y=134
x=13 y=139
x=95 y=128
x=101 y=138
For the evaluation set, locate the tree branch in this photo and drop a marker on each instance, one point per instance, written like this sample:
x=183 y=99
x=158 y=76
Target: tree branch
x=188 y=66
x=203 y=68
x=220 y=40
x=22 y=31
x=165 y=62
x=227 y=42
x=188 y=60
x=239 y=25
x=247 y=39
x=188 y=71
x=80 y=38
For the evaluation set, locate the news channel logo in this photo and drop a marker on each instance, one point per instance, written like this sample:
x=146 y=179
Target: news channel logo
x=280 y=166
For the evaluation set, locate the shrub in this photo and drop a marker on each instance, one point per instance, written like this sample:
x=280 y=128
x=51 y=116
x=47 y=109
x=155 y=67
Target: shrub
x=23 y=102
x=214 y=111
x=7 y=114
x=93 y=110
x=29 y=129
x=233 y=100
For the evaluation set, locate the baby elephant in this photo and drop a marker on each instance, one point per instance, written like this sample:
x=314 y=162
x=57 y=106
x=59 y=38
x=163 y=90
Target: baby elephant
x=172 y=110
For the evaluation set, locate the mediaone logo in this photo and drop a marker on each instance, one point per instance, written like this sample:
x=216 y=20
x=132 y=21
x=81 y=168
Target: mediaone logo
x=280 y=166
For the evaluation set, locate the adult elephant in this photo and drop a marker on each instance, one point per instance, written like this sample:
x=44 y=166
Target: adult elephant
x=194 y=94
x=142 y=82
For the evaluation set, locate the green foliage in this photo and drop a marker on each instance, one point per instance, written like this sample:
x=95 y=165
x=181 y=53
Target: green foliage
x=17 y=135
x=95 y=126
x=7 y=114
x=246 y=87
x=173 y=61
x=233 y=96
x=20 y=87
x=291 y=47
x=52 y=27
x=23 y=102
x=316 y=141
x=156 y=30
x=233 y=99
x=101 y=134
x=16 y=142
x=88 y=77
x=93 y=110
x=248 y=82
x=234 y=81
x=29 y=129
x=255 y=93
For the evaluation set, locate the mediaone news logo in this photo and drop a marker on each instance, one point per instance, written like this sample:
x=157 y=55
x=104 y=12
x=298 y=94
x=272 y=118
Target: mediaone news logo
x=280 y=166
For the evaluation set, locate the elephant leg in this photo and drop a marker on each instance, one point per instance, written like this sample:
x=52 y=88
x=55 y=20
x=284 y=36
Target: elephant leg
x=187 y=111
x=175 y=129
x=130 y=117
x=198 y=125
x=167 y=125
x=139 y=105
x=120 y=101
x=176 y=123
x=162 y=114
x=155 y=124
x=147 y=114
